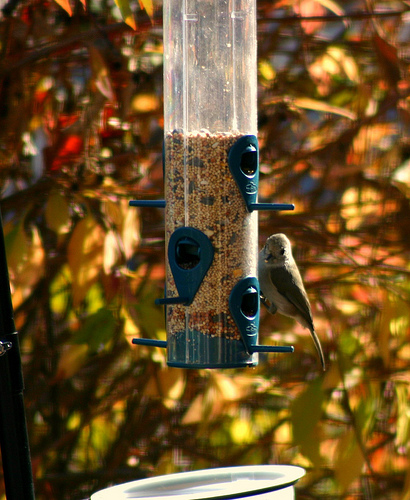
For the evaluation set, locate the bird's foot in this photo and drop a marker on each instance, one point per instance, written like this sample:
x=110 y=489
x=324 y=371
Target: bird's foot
x=271 y=308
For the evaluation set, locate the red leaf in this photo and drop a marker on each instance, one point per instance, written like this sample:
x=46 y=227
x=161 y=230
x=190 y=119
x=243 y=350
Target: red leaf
x=70 y=149
x=388 y=59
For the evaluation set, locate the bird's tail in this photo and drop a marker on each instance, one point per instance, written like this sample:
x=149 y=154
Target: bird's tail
x=318 y=348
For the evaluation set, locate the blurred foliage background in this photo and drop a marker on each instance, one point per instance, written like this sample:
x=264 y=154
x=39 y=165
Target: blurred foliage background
x=81 y=135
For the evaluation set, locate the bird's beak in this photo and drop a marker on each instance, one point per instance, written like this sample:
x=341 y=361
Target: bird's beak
x=268 y=257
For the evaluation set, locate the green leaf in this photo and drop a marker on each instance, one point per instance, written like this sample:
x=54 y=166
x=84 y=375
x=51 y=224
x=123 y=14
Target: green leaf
x=403 y=412
x=367 y=410
x=306 y=413
x=150 y=318
x=16 y=244
x=348 y=344
x=59 y=296
x=349 y=461
x=97 y=330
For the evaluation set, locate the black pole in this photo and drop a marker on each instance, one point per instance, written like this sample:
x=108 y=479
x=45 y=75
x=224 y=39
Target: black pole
x=15 y=451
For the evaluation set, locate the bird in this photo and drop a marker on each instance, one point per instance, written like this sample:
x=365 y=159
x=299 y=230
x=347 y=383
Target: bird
x=281 y=284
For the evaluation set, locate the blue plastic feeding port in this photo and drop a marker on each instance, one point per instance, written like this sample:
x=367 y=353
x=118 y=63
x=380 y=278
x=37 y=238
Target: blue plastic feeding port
x=148 y=203
x=244 y=305
x=271 y=206
x=258 y=482
x=243 y=162
x=190 y=254
x=150 y=342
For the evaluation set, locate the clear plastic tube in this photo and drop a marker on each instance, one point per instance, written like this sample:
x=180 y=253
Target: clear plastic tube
x=210 y=66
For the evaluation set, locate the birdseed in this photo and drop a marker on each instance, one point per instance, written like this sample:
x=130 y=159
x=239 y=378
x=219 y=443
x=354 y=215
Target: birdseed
x=201 y=193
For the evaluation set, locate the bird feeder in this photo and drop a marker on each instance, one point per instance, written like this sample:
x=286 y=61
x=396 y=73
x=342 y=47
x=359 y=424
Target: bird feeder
x=211 y=173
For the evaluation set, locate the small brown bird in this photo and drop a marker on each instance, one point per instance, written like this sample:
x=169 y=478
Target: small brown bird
x=282 y=285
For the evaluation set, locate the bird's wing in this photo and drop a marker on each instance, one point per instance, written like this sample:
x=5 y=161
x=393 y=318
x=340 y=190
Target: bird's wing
x=290 y=285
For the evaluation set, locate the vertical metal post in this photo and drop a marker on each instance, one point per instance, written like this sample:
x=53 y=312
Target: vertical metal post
x=18 y=475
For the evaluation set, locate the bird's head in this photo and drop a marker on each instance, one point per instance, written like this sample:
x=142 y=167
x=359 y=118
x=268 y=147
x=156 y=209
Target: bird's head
x=277 y=249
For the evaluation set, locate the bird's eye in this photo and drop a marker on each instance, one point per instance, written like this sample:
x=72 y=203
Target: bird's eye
x=282 y=251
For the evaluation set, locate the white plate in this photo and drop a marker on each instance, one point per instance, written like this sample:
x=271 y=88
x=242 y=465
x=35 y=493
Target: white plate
x=224 y=482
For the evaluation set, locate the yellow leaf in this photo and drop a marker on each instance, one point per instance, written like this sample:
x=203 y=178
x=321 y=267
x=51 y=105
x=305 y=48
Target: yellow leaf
x=226 y=387
x=126 y=13
x=112 y=251
x=332 y=6
x=145 y=103
x=306 y=103
x=266 y=70
x=148 y=6
x=71 y=360
x=194 y=414
x=100 y=73
x=130 y=230
x=168 y=384
x=345 y=62
x=85 y=256
x=241 y=431
x=65 y=4
x=25 y=258
x=56 y=213
x=131 y=330
x=113 y=210
x=358 y=204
